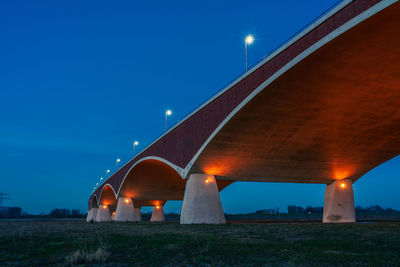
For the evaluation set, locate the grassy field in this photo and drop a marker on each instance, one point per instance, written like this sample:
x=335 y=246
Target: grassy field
x=64 y=243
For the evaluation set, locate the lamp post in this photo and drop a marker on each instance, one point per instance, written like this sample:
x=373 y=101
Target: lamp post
x=116 y=162
x=167 y=113
x=134 y=146
x=248 y=41
x=107 y=172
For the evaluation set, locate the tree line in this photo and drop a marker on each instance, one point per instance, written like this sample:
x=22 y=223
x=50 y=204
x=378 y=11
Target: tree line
x=292 y=209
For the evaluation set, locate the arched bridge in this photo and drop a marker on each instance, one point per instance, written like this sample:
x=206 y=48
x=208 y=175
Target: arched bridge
x=324 y=108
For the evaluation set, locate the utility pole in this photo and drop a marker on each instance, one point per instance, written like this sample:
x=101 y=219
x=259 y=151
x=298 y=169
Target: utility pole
x=3 y=196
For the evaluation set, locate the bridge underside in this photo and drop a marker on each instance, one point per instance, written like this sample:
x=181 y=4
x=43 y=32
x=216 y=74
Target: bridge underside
x=153 y=182
x=334 y=115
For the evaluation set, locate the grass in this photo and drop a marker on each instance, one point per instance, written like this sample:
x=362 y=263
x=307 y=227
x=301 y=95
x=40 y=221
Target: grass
x=70 y=243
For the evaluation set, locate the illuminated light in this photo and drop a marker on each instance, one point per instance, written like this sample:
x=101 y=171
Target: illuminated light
x=135 y=143
x=104 y=206
x=126 y=200
x=101 y=178
x=167 y=113
x=158 y=207
x=108 y=171
x=206 y=181
x=113 y=213
x=222 y=169
x=249 y=39
x=129 y=194
x=343 y=185
x=118 y=160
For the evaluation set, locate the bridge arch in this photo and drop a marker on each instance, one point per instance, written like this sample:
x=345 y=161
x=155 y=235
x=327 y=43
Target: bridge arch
x=108 y=196
x=152 y=181
x=93 y=202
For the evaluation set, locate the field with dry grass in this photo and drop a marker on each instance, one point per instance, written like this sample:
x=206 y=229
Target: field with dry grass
x=66 y=243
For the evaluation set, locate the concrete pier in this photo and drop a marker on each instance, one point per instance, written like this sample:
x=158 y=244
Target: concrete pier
x=202 y=203
x=158 y=214
x=88 y=217
x=103 y=214
x=125 y=210
x=92 y=215
x=339 y=202
x=138 y=214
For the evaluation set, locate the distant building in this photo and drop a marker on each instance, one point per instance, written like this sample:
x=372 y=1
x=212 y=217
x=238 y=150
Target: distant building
x=10 y=211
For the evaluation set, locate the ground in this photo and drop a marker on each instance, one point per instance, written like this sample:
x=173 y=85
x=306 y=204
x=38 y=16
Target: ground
x=63 y=243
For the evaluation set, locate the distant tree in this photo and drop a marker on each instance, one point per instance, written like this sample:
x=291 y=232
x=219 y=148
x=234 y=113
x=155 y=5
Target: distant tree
x=314 y=210
x=309 y=209
x=260 y=211
x=390 y=210
x=295 y=209
x=60 y=213
x=10 y=212
x=360 y=209
x=300 y=210
x=375 y=208
x=291 y=209
x=75 y=213
x=319 y=210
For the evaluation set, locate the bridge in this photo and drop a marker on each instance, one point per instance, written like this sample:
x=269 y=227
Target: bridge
x=323 y=108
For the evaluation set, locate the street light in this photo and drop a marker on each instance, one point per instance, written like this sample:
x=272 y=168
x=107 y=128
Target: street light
x=116 y=162
x=101 y=178
x=167 y=113
x=248 y=41
x=107 y=172
x=134 y=145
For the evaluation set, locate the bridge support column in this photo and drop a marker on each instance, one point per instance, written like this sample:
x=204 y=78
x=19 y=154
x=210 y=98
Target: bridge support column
x=138 y=214
x=339 y=202
x=158 y=214
x=92 y=215
x=89 y=214
x=202 y=203
x=103 y=214
x=125 y=211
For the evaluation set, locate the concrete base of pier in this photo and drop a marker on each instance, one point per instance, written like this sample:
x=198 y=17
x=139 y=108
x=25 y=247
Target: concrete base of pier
x=202 y=203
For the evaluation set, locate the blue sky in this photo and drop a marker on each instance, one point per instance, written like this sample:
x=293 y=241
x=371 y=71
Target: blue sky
x=80 y=80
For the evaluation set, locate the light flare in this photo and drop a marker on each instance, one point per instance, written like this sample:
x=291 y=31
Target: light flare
x=249 y=39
